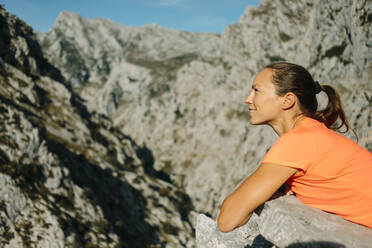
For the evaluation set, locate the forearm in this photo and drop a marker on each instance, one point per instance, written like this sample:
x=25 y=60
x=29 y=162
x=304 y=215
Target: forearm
x=238 y=207
x=232 y=215
x=244 y=220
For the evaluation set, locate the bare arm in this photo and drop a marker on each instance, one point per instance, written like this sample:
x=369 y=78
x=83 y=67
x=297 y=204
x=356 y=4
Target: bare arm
x=238 y=207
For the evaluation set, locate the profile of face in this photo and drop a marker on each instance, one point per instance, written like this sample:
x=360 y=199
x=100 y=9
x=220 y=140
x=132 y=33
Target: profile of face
x=264 y=103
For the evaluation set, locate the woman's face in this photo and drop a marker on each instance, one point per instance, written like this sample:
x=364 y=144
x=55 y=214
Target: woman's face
x=264 y=103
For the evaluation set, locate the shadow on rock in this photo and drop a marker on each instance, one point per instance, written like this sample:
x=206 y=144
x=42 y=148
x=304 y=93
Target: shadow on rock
x=148 y=162
x=316 y=244
x=260 y=242
x=122 y=205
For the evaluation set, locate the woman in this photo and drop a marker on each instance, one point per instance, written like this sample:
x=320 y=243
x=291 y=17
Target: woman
x=323 y=168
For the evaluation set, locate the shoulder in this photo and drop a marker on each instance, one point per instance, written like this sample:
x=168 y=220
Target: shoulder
x=303 y=134
x=296 y=148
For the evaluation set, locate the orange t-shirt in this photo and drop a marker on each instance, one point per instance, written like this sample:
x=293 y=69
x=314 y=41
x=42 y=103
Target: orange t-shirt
x=335 y=174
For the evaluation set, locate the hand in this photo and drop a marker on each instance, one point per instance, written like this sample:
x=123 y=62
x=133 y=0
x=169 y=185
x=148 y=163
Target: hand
x=289 y=192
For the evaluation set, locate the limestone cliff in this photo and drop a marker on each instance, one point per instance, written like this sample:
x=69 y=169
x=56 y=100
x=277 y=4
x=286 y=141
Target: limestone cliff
x=182 y=94
x=68 y=177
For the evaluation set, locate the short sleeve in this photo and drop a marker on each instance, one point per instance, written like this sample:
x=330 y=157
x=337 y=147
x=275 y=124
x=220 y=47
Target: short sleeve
x=293 y=149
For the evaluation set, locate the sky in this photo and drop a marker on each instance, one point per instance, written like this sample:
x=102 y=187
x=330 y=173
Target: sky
x=186 y=15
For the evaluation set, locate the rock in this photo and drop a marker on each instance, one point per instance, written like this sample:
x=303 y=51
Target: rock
x=286 y=222
x=68 y=177
x=12 y=199
x=208 y=235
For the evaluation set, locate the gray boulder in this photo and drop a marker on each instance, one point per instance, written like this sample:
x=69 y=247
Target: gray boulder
x=208 y=235
x=286 y=222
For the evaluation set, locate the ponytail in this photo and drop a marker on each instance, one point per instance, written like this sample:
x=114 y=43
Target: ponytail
x=333 y=111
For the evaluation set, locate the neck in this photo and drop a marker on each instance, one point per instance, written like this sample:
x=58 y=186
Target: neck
x=287 y=123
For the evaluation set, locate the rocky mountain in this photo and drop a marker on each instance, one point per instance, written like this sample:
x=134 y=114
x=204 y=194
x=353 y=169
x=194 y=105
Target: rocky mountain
x=70 y=177
x=182 y=94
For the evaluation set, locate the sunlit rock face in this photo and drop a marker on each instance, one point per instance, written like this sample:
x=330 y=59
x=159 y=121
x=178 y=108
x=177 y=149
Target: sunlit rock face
x=182 y=94
x=68 y=177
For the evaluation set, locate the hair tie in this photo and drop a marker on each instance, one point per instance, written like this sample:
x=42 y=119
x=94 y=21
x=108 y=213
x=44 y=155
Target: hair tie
x=318 y=88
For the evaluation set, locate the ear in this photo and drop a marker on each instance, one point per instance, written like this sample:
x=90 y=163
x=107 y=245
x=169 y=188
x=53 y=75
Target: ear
x=289 y=100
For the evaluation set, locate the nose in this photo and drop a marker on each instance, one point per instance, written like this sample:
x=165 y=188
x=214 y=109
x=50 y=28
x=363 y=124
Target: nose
x=248 y=100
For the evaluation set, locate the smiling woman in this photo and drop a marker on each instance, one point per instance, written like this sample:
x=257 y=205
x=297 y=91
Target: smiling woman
x=323 y=169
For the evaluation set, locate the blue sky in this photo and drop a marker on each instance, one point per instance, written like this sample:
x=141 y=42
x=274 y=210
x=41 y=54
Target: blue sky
x=187 y=15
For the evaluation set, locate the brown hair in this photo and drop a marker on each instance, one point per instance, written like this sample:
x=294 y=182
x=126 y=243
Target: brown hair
x=294 y=78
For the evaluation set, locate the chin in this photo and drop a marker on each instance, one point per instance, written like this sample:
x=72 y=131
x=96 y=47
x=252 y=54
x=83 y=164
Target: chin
x=253 y=122
x=257 y=122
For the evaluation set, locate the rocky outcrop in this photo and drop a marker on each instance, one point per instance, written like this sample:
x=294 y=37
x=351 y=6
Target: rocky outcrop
x=208 y=235
x=182 y=94
x=285 y=222
x=68 y=177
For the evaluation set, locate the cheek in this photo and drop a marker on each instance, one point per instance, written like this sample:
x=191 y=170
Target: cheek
x=271 y=103
x=275 y=105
